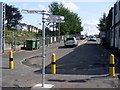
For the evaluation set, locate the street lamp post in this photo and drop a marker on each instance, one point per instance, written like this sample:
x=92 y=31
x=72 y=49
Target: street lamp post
x=60 y=21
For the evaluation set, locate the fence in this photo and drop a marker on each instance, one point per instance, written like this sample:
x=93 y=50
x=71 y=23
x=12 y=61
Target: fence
x=48 y=40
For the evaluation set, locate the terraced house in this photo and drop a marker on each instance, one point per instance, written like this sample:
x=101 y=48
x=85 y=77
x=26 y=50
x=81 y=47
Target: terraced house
x=113 y=27
x=25 y=27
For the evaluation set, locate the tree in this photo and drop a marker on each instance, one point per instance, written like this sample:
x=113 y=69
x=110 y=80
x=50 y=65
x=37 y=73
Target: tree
x=102 y=23
x=72 y=23
x=48 y=32
x=13 y=16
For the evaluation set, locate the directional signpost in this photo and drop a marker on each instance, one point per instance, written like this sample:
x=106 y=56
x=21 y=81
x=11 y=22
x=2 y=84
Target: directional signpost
x=51 y=18
x=43 y=12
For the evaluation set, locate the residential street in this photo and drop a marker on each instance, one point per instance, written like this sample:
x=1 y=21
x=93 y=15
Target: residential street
x=84 y=66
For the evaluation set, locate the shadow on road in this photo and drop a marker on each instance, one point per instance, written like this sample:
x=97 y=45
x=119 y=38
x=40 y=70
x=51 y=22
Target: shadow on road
x=4 y=68
x=87 y=59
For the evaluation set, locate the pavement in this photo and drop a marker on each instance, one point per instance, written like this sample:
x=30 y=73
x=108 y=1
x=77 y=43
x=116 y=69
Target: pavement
x=24 y=75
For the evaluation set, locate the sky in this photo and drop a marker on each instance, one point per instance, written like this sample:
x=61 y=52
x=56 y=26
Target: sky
x=89 y=11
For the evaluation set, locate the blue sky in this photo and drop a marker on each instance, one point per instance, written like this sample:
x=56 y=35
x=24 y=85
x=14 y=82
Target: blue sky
x=89 y=11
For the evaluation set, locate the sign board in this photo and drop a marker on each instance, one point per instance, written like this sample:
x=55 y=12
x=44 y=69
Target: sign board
x=55 y=18
x=102 y=34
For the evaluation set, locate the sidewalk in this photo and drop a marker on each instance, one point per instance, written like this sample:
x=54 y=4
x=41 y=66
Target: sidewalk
x=19 y=76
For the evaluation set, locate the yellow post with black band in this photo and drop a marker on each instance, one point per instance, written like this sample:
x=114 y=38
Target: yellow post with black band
x=11 y=62
x=53 y=64
x=112 y=66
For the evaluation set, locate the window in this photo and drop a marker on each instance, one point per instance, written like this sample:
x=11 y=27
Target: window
x=119 y=32
x=119 y=5
x=115 y=9
x=70 y=39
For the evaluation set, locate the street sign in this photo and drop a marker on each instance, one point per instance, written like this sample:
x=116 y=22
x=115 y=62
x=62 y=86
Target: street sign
x=36 y=12
x=55 y=18
x=43 y=12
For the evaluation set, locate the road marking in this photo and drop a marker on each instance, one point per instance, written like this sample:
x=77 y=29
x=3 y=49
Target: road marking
x=83 y=42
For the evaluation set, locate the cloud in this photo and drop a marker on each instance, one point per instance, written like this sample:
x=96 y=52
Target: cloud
x=90 y=27
x=59 y=0
x=90 y=23
x=71 y=6
x=30 y=6
x=43 y=7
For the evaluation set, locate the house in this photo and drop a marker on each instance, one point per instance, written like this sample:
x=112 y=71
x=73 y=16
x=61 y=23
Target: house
x=25 y=27
x=113 y=26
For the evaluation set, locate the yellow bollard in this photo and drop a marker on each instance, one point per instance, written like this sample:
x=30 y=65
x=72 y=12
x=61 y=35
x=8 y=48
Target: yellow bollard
x=53 y=64
x=11 y=63
x=112 y=66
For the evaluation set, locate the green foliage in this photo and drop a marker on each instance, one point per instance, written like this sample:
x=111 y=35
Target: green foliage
x=102 y=23
x=19 y=36
x=72 y=23
x=48 y=32
x=12 y=16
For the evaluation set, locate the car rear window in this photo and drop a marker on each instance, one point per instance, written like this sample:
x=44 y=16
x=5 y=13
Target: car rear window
x=70 y=39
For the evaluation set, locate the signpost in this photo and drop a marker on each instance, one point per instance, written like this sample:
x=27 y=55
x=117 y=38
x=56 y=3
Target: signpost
x=51 y=18
x=43 y=12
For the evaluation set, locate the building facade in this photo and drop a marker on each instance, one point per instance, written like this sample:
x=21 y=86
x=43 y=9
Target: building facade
x=25 y=27
x=113 y=26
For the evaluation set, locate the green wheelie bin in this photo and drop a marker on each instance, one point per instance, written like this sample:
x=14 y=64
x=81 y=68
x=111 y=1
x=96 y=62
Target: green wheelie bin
x=30 y=44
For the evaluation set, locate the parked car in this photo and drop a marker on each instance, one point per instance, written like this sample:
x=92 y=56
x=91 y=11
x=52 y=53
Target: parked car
x=82 y=36
x=93 y=38
x=71 y=42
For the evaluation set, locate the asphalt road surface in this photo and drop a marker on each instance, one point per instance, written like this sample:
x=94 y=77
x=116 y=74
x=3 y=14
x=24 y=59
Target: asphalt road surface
x=84 y=66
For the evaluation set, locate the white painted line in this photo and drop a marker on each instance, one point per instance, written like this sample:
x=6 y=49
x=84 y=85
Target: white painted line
x=39 y=86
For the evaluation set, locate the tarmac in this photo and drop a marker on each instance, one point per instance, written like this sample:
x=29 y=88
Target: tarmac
x=24 y=76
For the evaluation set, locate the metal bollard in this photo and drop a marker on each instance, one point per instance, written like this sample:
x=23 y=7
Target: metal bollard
x=11 y=63
x=53 y=64
x=112 y=66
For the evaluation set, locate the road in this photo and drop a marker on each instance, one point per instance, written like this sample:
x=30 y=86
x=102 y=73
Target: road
x=84 y=66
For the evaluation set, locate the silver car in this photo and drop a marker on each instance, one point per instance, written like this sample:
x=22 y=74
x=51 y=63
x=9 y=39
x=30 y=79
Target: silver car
x=71 y=42
x=93 y=38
